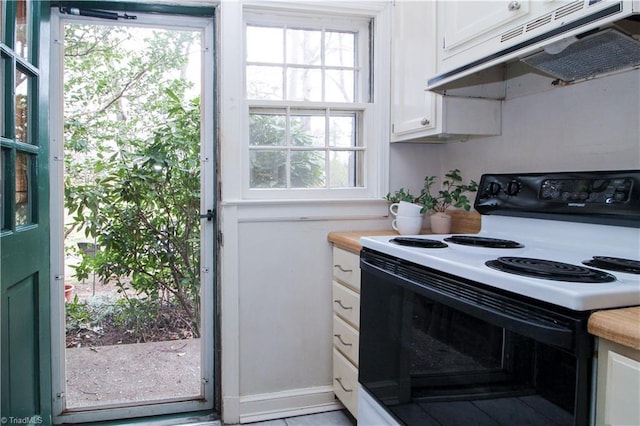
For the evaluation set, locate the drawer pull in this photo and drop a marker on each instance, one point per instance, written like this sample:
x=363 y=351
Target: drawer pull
x=339 y=302
x=342 y=269
x=339 y=380
x=342 y=341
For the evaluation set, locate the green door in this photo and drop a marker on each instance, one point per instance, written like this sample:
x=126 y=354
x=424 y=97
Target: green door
x=24 y=220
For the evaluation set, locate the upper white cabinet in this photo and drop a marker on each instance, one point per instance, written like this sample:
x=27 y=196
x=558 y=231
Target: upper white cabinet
x=418 y=115
x=463 y=22
x=471 y=31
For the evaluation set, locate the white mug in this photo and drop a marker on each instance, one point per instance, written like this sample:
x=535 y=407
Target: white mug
x=404 y=208
x=407 y=225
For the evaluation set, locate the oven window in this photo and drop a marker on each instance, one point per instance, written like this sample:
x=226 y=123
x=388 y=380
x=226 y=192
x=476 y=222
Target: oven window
x=437 y=365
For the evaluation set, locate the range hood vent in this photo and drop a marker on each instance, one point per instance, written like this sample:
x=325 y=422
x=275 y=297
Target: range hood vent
x=577 y=41
x=596 y=54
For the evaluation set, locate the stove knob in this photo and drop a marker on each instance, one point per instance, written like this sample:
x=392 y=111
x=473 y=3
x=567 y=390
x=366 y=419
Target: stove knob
x=513 y=187
x=494 y=189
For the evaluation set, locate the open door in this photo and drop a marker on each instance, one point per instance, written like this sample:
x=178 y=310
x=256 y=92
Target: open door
x=151 y=171
x=24 y=213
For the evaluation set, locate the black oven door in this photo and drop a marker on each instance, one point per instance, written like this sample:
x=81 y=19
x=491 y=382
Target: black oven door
x=437 y=349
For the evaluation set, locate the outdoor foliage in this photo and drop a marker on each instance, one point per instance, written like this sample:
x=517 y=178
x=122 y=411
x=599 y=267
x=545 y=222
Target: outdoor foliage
x=269 y=167
x=132 y=169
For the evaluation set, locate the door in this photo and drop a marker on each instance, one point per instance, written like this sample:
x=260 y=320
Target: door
x=114 y=380
x=413 y=51
x=24 y=220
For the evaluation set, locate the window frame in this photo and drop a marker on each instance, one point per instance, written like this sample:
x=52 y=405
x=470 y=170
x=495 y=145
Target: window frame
x=367 y=107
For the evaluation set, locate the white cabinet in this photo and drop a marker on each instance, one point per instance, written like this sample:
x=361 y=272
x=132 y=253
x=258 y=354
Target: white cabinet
x=413 y=53
x=346 y=321
x=618 y=389
x=464 y=26
x=473 y=32
x=416 y=114
x=464 y=22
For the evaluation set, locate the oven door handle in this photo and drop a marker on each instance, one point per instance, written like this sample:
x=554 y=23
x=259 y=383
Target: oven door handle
x=479 y=304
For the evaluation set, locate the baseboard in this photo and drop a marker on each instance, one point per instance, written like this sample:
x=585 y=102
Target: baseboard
x=295 y=402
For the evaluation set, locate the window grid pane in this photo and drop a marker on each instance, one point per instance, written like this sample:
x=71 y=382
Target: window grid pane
x=340 y=49
x=311 y=71
x=23 y=190
x=22 y=110
x=265 y=44
x=304 y=47
x=22 y=28
x=300 y=148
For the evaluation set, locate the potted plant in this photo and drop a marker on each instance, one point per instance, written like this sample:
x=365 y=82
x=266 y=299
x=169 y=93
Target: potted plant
x=400 y=195
x=452 y=194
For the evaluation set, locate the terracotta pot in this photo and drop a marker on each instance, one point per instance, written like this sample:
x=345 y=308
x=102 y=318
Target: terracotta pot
x=68 y=292
x=440 y=223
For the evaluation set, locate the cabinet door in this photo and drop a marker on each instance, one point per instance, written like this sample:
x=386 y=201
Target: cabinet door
x=465 y=21
x=346 y=268
x=413 y=62
x=618 y=385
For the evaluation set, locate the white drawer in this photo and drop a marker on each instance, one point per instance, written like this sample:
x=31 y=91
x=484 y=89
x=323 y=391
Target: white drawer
x=345 y=382
x=346 y=268
x=345 y=339
x=346 y=303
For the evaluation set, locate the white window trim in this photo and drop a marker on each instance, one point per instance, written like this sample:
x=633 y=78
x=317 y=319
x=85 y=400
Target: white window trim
x=235 y=108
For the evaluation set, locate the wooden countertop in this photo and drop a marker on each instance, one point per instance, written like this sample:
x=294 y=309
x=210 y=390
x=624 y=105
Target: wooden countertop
x=351 y=240
x=618 y=325
x=462 y=222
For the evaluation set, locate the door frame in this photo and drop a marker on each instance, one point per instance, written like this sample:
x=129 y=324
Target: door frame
x=202 y=18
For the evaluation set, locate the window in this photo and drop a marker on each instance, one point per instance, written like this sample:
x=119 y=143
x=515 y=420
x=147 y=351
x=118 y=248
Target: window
x=308 y=91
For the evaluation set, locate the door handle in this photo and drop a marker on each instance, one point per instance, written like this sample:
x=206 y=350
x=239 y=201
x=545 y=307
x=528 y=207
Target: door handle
x=210 y=215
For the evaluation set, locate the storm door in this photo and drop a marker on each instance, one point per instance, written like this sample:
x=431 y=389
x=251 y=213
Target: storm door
x=24 y=220
x=133 y=205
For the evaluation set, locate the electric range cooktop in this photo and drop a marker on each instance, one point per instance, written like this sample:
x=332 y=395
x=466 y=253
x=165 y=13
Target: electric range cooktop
x=579 y=265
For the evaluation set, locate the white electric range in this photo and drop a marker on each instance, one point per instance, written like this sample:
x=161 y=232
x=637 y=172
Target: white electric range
x=457 y=327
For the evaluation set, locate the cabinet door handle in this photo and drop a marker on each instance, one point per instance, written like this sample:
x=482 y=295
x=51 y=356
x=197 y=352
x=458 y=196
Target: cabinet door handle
x=342 y=341
x=339 y=380
x=342 y=269
x=339 y=302
x=514 y=5
x=424 y=121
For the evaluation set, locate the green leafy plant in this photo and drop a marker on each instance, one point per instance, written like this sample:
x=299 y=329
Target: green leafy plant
x=452 y=193
x=400 y=195
x=78 y=314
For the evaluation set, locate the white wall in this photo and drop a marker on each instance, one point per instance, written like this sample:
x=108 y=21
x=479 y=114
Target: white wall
x=410 y=163
x=593 y=125
x=277 y=310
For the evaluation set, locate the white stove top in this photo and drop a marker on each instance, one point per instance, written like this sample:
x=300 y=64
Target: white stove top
x=566 y=242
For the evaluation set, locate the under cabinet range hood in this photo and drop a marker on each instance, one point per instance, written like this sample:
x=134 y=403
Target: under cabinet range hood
x=578 y=40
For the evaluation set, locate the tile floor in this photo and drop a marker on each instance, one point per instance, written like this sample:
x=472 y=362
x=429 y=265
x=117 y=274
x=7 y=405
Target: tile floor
x=330 y=418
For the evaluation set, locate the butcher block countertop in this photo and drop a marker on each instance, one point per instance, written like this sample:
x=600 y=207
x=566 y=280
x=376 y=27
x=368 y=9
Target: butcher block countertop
x=462 y=222
x=618 y=325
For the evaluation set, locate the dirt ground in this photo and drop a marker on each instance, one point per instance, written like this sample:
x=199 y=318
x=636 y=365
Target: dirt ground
x=131 y=373
x=124 y=373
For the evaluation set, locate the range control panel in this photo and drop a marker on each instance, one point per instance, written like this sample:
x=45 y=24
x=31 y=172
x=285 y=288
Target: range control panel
x=605 y=191
x=601 y=193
